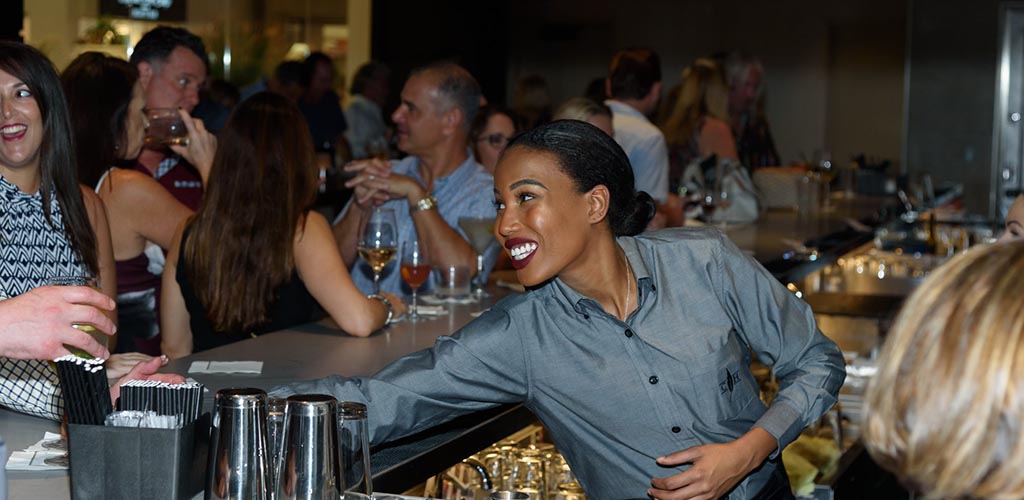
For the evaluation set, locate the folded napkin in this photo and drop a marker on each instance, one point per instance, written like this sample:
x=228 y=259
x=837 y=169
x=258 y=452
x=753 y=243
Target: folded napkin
x=430 y=310
x=31 y=458
x=246 y=367
x=434 y=299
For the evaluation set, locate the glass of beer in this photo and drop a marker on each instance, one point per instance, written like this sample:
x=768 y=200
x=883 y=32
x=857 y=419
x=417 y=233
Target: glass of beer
x=165 y=128
x=379 y=242
x=90 y=282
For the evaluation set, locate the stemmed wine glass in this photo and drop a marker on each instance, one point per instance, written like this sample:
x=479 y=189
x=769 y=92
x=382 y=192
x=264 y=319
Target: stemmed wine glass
x=480 y=231
x=379 y=242
x=415 y=271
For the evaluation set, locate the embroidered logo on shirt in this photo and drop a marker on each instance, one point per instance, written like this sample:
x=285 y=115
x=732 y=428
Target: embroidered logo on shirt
x=727 y=385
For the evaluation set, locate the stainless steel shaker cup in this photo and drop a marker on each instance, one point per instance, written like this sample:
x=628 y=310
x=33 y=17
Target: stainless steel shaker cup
x=239 y=466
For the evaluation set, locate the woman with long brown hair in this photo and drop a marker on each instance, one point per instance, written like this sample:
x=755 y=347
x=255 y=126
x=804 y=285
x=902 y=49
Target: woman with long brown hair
x=51 y=226
x=105 y=102
x=255 y=258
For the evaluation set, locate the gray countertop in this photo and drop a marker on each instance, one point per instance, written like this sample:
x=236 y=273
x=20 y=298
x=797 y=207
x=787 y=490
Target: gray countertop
x=320 y=349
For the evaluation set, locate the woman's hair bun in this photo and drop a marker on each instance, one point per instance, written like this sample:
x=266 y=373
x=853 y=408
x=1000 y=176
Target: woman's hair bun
x=636 y=219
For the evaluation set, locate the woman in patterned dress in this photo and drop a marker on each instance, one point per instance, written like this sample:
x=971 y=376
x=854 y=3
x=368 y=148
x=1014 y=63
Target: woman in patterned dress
x=49 y=225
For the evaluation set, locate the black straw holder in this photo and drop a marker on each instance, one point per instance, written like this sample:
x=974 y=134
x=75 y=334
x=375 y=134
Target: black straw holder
x=113 y=463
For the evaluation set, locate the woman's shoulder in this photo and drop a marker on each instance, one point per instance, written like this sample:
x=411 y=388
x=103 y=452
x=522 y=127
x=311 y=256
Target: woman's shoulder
x=130 y=185
x=713 y=125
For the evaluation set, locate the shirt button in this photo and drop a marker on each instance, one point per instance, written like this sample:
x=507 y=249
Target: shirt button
x=676 y=430
x=586 y=316
x=653 y=379
x=629 y=333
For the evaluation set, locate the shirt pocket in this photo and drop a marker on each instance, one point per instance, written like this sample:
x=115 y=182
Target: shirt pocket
x=723 y=386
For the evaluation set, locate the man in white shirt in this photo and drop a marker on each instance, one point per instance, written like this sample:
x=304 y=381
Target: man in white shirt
x=634 y=87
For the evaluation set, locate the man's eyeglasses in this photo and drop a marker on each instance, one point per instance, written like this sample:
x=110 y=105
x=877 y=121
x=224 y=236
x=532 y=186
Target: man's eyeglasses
x=497 y=140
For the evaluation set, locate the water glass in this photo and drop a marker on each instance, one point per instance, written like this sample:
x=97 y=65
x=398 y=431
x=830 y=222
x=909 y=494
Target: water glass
x=354 y=448
x=528 y=474
x=452 y=282
x=511 y=495
x=275 y=435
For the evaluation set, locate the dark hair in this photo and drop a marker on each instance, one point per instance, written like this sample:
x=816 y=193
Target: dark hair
x=292 y=72
x=56 y=151
x=483 y=116
x=596 y=90
x=633 y=72
x=261 y=186
x=457 y=86
x=98 y=89
x=590 y=157
x=222 y=92
x=531 y=101
x=480 y=124
x=313 y=59
x=366 y=74
x=156 y=45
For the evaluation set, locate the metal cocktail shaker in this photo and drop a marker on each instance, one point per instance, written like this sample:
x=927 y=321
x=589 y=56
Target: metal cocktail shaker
x=238 y=466
x=309 y=468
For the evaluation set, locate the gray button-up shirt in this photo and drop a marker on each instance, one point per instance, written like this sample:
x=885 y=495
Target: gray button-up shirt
x=616 y=395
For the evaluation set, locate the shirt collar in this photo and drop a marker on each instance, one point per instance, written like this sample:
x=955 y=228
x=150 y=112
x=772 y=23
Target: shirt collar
x=457 y=177
x=622 y=108
x=641 y=274
x=15 y=197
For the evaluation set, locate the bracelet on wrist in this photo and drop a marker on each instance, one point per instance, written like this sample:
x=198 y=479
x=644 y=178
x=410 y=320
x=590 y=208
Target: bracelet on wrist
x=387 y=304
x=427 y=203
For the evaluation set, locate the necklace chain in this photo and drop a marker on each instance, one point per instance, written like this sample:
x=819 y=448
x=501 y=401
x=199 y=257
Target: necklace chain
x=625 y=313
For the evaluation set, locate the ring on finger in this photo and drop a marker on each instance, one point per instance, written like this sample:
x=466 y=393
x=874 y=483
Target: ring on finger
x=372 y=177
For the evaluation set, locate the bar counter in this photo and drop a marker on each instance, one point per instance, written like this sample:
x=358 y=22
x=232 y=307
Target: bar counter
x=319 y=349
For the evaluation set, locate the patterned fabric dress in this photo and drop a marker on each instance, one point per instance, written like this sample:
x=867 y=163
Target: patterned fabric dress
x=31 y=252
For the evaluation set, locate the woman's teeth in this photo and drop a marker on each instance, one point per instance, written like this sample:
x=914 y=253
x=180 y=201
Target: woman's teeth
x=13 y=129
x=519 y=252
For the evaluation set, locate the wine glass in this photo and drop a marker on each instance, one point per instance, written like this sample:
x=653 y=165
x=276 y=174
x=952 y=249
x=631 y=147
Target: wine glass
x=379 y=242
x=378 y=148
x=415 y=271
x=480 y=231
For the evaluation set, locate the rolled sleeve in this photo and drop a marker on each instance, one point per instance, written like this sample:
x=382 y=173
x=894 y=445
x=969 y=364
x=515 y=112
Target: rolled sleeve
x=781 y=330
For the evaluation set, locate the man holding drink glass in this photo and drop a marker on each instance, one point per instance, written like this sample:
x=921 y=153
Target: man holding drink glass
x=172 y=67
x=431 y=189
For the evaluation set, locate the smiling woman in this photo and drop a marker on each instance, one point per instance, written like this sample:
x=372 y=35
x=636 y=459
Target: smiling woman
x=629 y=347
x=51 y=226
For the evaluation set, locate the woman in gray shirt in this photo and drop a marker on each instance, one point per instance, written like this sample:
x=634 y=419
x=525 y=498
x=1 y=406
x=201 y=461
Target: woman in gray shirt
x=634 y=351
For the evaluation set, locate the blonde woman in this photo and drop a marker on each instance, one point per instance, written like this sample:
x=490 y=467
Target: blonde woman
x=945 y=410
x=698 y=125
